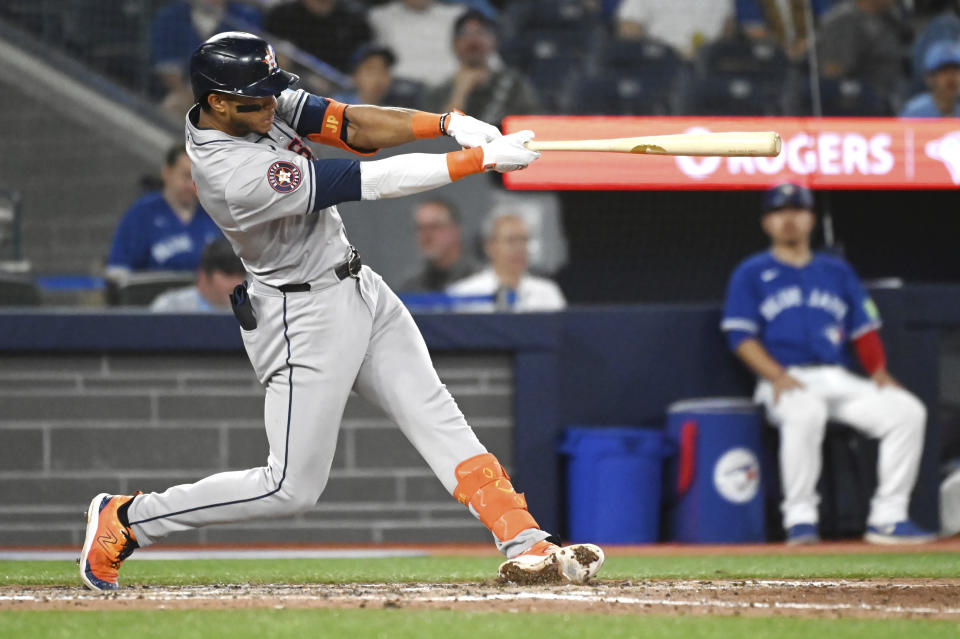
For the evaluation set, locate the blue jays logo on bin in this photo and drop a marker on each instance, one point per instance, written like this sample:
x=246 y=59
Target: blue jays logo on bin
x=736 y=475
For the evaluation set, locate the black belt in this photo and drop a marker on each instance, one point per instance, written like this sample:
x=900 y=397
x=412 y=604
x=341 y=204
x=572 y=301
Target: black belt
x=350 y=268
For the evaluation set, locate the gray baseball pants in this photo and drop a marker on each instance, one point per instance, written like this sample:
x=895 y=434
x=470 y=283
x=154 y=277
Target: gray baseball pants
x=310 y=349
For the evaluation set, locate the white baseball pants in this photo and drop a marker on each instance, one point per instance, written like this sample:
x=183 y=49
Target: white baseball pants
x=891 y=414
x=310 y=349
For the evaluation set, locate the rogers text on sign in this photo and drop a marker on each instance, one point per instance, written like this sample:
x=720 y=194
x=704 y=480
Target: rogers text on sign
x=803 y=154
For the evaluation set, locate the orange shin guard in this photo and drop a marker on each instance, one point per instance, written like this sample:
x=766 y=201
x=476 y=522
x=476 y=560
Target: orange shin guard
x=484 y=484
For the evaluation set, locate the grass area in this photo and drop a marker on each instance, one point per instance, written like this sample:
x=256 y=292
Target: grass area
x=451 y=569
x=424 y=624
x=431 y=624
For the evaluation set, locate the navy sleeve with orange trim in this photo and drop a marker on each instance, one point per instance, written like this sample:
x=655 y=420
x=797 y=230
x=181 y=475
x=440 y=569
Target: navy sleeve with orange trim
x=323 y=120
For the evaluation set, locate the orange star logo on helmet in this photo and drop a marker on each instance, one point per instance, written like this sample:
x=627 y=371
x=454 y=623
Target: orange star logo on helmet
x=270 y=58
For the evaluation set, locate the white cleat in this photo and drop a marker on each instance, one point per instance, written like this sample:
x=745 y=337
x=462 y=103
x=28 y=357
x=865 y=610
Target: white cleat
x=547 y=563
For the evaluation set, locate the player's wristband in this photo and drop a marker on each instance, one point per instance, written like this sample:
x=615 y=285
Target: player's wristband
x=429 y=125
x=463 y=163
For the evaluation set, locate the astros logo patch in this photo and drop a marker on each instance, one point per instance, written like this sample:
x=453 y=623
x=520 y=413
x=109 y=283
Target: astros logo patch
x=284 y=177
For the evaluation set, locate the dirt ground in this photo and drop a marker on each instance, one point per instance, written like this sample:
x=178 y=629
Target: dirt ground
x=824 y=598
x=900 y=598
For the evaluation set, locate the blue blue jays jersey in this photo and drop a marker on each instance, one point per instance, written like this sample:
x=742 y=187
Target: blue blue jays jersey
x=802 y=315
x=151 y=237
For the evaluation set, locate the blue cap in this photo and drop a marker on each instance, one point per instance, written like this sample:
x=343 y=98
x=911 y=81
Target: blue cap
x=940 y=54
x=787 y=195
x=368 y=51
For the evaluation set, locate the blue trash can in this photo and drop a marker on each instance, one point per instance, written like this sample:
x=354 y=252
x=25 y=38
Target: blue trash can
x=614 y=483
x=719 y=496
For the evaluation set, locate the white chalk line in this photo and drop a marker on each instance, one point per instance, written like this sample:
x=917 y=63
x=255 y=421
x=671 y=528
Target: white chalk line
x=386 y=593
x=778 y=583
x=707 y=603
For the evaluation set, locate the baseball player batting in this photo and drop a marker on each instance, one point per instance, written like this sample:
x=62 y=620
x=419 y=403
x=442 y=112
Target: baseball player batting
x=789 y=316
x=315 y=322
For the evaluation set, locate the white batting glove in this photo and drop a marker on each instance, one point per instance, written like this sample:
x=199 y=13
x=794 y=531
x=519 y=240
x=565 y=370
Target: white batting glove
x=470 y=132
x=508 y=153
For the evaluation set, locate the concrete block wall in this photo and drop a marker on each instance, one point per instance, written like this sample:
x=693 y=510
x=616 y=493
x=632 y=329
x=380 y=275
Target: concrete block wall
x=74 y=426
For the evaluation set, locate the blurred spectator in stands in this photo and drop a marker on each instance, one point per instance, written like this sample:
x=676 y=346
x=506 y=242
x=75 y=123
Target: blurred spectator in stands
x=371 y=73
x=166 y=229
x=683 y=24
x=219 y=272
x=506 y=280
x=942 y=64
x=861 y=39
x=482 y=86
x=487 y=8
x=328 y=29
x=945 y=26
x=441 y=245
x=541 y=210
x=178 y=29
x=784 y=21
x=418 y=32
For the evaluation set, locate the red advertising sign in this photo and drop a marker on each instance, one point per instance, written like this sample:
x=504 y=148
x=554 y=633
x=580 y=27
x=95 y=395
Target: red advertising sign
x=824 y=153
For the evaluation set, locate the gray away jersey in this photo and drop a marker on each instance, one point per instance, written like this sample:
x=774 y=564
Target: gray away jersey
x=272 y=200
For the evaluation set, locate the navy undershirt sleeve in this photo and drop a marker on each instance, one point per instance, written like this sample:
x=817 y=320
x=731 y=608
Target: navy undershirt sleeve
x=336 y=181
x=311 y=117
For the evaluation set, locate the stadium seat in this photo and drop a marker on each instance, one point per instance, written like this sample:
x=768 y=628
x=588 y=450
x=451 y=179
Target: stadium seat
x=554 y=78
x=849 y=97
x=139 y=289
x=617 y=93
x=742 y=56
x=552 y=60
x=18 y=289
x=569 y=15
x=639 y=54
x=41 y=18
x=733 y=94
x=115 y=45
x=738 y=76
x=636 y=77
x=523 y=52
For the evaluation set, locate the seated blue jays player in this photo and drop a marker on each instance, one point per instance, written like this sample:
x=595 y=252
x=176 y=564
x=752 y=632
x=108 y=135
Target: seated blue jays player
x=164 y=230
x=789 y=315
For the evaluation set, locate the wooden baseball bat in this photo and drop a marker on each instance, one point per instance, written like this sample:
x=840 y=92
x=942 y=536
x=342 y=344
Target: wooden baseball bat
x=752 y=143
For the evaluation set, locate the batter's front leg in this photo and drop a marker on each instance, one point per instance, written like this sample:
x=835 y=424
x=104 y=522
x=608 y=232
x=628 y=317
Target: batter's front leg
x=397 y=375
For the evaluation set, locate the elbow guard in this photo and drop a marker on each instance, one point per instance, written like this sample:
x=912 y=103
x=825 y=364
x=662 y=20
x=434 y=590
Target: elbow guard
x=334 y=129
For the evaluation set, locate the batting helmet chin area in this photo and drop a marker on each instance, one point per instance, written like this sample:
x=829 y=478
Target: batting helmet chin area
x=237 y=63
x=787 y=195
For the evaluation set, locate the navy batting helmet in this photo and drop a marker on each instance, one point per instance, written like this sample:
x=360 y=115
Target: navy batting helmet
x=237 y=63
x=787 y=196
